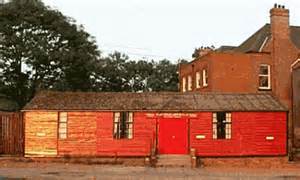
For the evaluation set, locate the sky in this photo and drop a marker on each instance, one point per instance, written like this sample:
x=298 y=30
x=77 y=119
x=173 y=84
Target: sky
x=172 y=29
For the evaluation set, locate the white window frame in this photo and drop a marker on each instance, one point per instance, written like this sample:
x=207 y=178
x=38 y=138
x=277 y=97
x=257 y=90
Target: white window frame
x=62 y=125
x=204 y=78
x=228 y=126
x=121 y=125
x=183 y=84
x=198 y=80
x=265 y=75
x=190 y=83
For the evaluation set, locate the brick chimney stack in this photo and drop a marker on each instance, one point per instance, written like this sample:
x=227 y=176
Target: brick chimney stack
x=284 y=53
x=280 y=23
x=282 y=59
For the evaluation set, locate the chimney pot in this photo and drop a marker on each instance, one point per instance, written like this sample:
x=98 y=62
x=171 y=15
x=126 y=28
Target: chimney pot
x=275 y=5
x=280 y=21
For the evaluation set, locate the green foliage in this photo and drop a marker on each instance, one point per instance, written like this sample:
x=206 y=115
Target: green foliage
x=41 y=48
x=195 y=54
x=118 y=73
x=164 y=77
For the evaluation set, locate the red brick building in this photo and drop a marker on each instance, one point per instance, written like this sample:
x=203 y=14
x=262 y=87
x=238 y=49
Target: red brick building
x=267 y=61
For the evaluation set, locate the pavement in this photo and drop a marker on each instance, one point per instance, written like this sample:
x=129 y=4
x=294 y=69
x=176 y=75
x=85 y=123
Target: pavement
x=33 y=170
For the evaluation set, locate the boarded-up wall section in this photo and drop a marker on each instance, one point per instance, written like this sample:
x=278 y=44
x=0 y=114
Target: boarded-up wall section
x=40 y=133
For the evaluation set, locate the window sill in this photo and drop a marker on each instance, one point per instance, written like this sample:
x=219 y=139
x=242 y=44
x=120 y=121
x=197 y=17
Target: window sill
x=222 y=139
x=264 y=89
x=202 y=87
x=122 y=139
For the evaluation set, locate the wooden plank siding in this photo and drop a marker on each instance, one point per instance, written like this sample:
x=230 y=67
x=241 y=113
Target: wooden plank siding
x=11 y=133
x=88 y=134
x=144 y=130
x=91 y=134
x=40 y=133
x=81 y=135
x=249 y=132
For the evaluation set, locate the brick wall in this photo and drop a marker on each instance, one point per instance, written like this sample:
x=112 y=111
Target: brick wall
x=227 y=72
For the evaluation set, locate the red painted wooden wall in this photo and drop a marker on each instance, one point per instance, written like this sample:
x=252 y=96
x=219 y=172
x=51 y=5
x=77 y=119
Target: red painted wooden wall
x=91 y=134
x=249 y=132
x=144 y=130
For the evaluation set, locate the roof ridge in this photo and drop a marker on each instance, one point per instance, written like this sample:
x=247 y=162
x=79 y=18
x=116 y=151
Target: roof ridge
x=293 y=26
x=147 y=92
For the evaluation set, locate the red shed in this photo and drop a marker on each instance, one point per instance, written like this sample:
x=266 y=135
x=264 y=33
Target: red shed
x=136 y=124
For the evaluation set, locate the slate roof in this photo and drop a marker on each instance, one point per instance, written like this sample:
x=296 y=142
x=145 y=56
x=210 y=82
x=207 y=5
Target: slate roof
x=254 y=42
x=154 y=101
x=225 y=48
x=6 y=104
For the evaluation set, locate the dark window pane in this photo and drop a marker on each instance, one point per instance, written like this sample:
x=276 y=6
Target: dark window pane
x=221 y=125
x=123 y=127
x=263 y=70
x=263 y=81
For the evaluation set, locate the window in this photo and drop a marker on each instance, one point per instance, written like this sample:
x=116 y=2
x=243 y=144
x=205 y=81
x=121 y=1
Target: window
x=123 y=122
x=183 y=84
x=62 y=125
x=198 y=79
x=205 y=77
x=190 y=83
x=221 y=125
x=264 y=76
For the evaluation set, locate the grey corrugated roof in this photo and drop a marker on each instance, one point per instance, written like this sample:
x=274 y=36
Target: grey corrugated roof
x=154 y=101
x=255 y=41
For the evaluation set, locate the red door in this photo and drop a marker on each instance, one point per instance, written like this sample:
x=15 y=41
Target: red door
x=172 y=137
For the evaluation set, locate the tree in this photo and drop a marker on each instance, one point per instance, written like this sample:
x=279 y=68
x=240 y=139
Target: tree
x=198 y=52
x=164 y=77
x=111 y=73
x=117 y=72
x=138 y=73
x=40 y=48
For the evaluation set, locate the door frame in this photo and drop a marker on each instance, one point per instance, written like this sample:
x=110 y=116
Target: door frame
x=187 y=121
